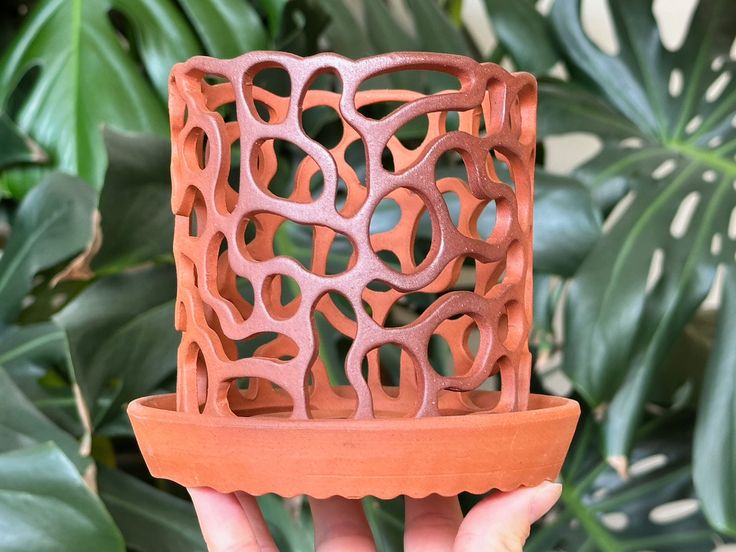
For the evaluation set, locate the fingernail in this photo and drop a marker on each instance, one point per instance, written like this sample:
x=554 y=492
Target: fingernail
x=545 y=497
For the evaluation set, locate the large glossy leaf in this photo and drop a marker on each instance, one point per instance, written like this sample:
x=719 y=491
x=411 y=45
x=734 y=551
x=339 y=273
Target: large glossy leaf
x=651 y=270
x=122 y=338
x=435 y=30
x=35 y=356
x=654 y=509
x=714 y=465
x=384 y=31
x=150 y=520
x=343 y=31
x=135 y=208
x=387 y=35
x=23 y=425
x=81 y=75
x=566 y=224
x=53 y=222
x=386 y=520
x=16 y=147
x=515 y=23
x=291 y=526
x=41 y=343
x=274 y=14
x=45 y=505
x=568 y=107
x=228 y=28
x=301 y=25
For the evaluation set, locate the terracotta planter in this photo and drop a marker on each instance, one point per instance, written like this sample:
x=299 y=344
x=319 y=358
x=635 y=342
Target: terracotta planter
x=257 y=408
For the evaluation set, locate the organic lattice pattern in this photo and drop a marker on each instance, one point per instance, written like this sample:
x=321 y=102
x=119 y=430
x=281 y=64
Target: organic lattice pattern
x=232 y=279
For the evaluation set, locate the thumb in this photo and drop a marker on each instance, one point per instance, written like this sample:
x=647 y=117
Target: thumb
x=501 y=522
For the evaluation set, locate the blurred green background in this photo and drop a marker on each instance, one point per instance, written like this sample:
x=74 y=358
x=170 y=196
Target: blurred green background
x=635 y=283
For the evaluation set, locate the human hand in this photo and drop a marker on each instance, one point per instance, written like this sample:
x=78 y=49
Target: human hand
x=499 y=523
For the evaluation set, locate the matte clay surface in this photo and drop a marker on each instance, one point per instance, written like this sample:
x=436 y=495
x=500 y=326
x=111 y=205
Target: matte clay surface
x=356 y=458
x=213 y=248
x=236 y=291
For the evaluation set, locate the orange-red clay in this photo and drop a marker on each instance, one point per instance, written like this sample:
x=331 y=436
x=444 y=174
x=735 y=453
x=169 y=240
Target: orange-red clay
x=273 y=420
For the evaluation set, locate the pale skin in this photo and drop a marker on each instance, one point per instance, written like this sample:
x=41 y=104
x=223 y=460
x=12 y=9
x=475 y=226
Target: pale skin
x=498 y=523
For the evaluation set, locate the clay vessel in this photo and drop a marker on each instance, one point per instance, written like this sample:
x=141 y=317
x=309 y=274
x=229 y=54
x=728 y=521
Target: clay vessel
x=261 y=404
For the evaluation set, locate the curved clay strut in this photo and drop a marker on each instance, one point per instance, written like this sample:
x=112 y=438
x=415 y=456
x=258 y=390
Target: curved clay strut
x=226 y=228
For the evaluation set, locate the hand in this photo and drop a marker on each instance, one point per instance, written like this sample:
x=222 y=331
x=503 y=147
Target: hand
x=500 y=522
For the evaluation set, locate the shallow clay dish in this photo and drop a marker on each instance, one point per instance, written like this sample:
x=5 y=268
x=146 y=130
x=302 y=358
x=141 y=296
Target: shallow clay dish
x=259 y=405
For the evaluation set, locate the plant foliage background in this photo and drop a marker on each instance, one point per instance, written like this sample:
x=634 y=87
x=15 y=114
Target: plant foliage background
x=634 y=258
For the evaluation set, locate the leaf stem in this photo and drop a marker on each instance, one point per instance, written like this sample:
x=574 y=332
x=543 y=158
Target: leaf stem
x=571 y=499
x=704 y=157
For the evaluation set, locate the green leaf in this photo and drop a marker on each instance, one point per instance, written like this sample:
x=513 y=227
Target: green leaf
x=160 y=33
x=566 y=224
x=135 y=206
x=619 y=83
x=16 y=147
x=23 y=425
x=302 y=26
x=150 y=520
x=384 y=31
x=345 y=34
x=82 y=75
x=600 y=511
x=227 y=28
x=386 y=36
x=515 y=23
x=274 y=13
x=567 y=107
x=45 y=505
x=39 y=343
x=122 y=338
x=547 y=292
x=386 y=520
x=292 y=531
x=53 y=222
x=35 y=357
x=714 y=466
x=655 y=262
x=435 y=30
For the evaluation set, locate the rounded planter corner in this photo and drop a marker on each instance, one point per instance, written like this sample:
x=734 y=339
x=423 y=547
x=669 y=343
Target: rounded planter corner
x=383 y=457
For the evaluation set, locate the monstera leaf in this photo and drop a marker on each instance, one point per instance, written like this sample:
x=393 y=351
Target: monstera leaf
x=76 y=64
x=22 y=425
x=15 y=147
x=135 y=209
x=228 y=28
x=45 y=505
x=149 y=519
x=121 y=337
x=665 y=181
x=68 y=71
x=714 y=469
x=52 y=223
x=654 y=509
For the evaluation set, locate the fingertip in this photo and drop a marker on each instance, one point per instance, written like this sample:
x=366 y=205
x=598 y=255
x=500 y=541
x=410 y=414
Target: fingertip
x=205 y=499
x=502 y=521
x=538 y=500
x=545 y=497
x=203 y=493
